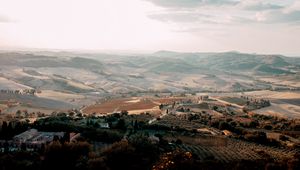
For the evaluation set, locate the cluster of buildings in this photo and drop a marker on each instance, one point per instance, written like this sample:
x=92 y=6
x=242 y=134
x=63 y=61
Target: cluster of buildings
x=21 y=91
x=30 y=139
x=33 y=136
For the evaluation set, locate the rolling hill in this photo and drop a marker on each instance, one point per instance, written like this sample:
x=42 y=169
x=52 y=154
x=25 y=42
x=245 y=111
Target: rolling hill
x=160 y=71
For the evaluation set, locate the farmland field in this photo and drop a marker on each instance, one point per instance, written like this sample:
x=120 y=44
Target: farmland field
x=132 y=105
x=235 y=150
x=129 y=104
x=292 y=101
x=169 y=100
x=235 y=100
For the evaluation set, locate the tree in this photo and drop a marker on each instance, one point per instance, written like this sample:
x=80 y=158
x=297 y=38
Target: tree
x=121 y=124
x=66 y=137
x=161 y=106
x=55 y=138
x=119 y=155
x=96 y=125
x=4 y=126
x=135 y=126
x=18 y=113
x=268 y=127
x=79 y=115
x=233 y=124
x=258 y=137
x=23 y=146
x=283 y=138
x=177 y=159
x=224 y=126
x=25 y=113
x=4 y=132
x=215 y=108
x=65 y=156
x=97 y=163
x=253 y=124
x=6 y=147
x=72 y=114
x=88 y=122
x=124 y=112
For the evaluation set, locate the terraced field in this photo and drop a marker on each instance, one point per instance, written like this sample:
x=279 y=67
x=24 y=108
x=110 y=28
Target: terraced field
x=237 y=150
x=172 y=120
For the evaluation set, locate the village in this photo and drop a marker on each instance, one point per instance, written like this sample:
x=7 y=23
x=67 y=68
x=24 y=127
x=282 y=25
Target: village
x=197 y=124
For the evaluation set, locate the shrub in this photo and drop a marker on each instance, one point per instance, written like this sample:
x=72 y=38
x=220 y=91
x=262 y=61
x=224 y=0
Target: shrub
x=268 y=127
x=283 y=138
x=258 y=137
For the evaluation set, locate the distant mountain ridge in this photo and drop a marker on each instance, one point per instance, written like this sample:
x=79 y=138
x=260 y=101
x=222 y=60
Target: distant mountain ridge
x=236 y=61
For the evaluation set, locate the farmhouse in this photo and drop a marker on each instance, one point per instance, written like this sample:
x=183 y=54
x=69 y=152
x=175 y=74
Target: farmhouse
x=203 y=98
x=33 y=136
x=104 y=125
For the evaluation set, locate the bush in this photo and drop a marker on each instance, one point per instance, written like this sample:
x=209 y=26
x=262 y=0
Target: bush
x=101 y=135
x=121 y=124
x=175 y=160
x=67 y=155
x=283 y=138
x=97 y=163
x=224 y=126
x=258 y=137
x=233 y=124
x=123 y=155
x=215 y=124
x=253 y=124
x=268 y=127
x=142 y=144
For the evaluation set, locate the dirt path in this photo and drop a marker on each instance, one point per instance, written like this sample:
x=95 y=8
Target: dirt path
x=225 y=102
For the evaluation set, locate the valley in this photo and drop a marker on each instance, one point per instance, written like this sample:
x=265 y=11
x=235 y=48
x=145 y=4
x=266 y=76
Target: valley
x=192 y=109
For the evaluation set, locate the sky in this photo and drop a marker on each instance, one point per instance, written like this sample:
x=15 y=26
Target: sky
x=252 y=26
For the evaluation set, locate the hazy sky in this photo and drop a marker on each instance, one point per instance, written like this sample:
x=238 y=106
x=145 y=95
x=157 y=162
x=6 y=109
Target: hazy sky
x=261 y=26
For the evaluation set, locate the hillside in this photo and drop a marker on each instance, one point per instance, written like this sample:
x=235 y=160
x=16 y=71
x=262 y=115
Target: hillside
x=160 y=71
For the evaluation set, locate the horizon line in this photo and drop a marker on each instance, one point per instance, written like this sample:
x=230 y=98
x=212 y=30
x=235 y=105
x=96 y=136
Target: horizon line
x=127 y=52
